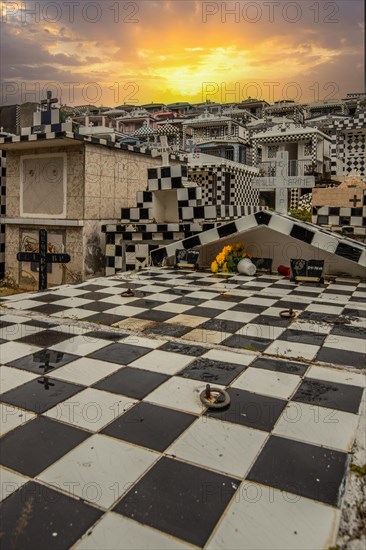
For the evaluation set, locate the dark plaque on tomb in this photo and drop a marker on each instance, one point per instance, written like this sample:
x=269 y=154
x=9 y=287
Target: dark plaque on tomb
x=263 y=264
x=307 y=270
x=186 y=258
x=43 y=259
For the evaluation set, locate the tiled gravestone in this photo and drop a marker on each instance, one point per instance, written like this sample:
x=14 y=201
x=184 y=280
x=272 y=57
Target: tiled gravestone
x=282 y=182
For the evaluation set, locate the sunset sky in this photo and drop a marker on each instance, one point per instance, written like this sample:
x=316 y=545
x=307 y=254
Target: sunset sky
x=110 y=53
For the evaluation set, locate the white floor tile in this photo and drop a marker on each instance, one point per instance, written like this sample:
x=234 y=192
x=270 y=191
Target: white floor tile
x=107 y=534
x=73 y=302
x=222 y=446
x=316 y=328
x=162 y=361
x=203 y=336
x=202 y=295
x=187 y=320
x=321 y=308
x=345 y=343
x=335 y=375
x=262 y=518
x=218 y=304
x=91 y=409
x=137 y=340
x=10 y=318
x=173 y=308
x=237 y=316
x=80 y=345
x=99 y=470
x=14 y=350
x=73 y=313
x=260 y=331
x=11 y=417
x=26 y=304
x=318 y=425
x=292 y=349
x=268 y=382
x=10 y=482
x=230 y=356
x=14 y=332
x=85 y=370
x=125 y=310
x=179 y=393
x=162 y=297
x=11 y=378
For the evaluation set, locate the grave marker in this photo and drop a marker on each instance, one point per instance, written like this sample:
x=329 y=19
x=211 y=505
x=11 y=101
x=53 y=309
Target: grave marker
x=282 y=182
x=43 y=258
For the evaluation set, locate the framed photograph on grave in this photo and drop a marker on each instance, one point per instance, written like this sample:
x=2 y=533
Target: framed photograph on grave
x=186 y=258
x=307 y=270
x=263 y=265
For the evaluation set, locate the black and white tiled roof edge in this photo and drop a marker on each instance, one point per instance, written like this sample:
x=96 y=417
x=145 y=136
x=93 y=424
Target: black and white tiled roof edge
x=326 y=240
x=58 y=131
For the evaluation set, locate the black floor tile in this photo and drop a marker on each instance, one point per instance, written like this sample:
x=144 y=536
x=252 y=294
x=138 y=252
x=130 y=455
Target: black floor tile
x=122 y=354
x=32 y=447
x=43 y=361
x=250 y=409
x=40 y=394
x=269 y=320
x=305 y=470
x=166 y=329
x=330 y=291
x=208 y=370
x=49 y=298
x=135 y=383
x=350 y=313
x=341 y=357
x=150 y=426
x=104 y=335
x=146 y=304
x=187 y=301
x=184 y=349
x=177 y=498
x=105 y=318
x=97 y=306
x=155 y=315
x=249 y=308
x=291 y=304
x=278 y=365
x=41 y=324
x=49 y=309
x=350 y=331
x=342 y=397
x=222 y=325
x=247 y=342
x=227 y=297
x=5 y=324
x=93 y=295
x=45 y=338
x=204 y=312
x=39 y=517
x=304 y=337
x=92 y=288
x=318 y=316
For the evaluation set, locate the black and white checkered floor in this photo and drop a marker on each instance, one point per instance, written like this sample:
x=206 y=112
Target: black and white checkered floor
x=105 y=443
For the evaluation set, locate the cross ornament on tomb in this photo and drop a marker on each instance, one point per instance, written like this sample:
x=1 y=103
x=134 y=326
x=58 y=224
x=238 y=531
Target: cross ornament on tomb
x=355 y=200
x=43 y=258
x=282 y=182
x=48 y=102
x=163 y=150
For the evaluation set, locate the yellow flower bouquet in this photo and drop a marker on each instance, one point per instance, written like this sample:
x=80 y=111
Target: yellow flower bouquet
x=229 y=257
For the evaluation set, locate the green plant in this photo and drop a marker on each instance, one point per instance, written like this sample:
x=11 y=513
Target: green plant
x=301 y=214
x=359 y=470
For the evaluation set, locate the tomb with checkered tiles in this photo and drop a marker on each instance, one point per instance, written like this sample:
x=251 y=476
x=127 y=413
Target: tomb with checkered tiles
x=180 y=202
x=70 y=184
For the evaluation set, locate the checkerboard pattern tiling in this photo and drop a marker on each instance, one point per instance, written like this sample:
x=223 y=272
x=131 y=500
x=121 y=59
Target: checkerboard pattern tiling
x=107 y=425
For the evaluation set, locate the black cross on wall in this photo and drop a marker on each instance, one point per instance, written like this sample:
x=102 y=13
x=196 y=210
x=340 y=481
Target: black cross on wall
x=43 y=258
x=355 y=200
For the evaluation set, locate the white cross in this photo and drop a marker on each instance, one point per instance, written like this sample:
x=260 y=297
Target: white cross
x=163 y=150
x=282 y=182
